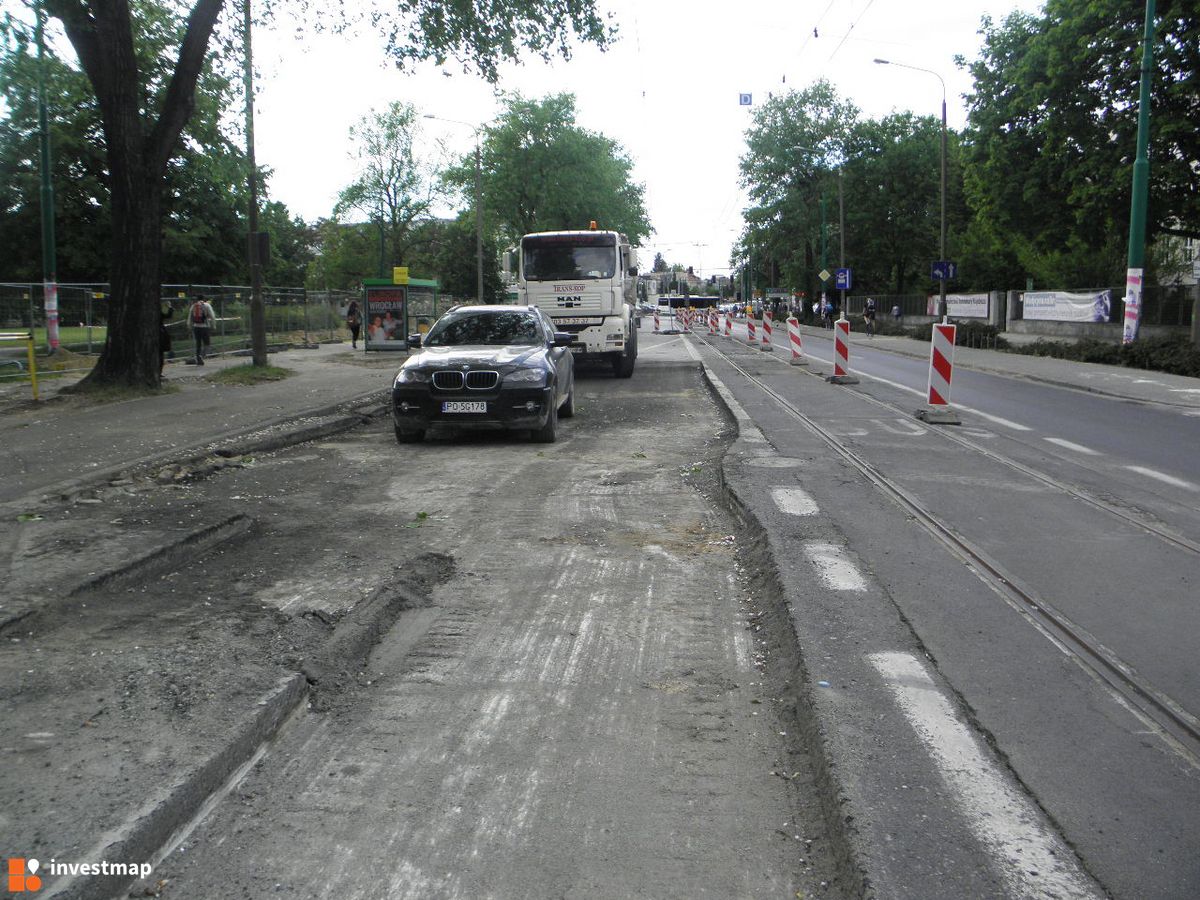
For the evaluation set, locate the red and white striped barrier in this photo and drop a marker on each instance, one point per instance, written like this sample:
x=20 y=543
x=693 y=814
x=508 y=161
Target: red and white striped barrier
x=941 y=368
x=713 y=322
x=766 y=337
x=752 y=337
x=841 y=354
x=793 y=326
x=728 y=325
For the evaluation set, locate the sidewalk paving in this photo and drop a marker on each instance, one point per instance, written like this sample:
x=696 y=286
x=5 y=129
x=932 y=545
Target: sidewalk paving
x=61 y=441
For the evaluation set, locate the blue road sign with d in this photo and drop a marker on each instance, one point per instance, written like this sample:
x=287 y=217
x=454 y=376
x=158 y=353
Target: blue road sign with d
x=944 y=270
x=842 y=279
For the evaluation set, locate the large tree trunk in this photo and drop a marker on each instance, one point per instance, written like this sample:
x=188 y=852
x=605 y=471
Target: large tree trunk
x=130 y=355
x=139 y=144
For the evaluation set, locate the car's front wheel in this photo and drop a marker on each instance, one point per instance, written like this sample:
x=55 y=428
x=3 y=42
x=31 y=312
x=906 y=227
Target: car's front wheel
x=548 y=433
x=409 y=436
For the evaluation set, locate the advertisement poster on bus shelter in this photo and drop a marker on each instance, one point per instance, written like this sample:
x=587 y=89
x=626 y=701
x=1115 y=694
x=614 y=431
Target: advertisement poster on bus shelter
x=385 y=317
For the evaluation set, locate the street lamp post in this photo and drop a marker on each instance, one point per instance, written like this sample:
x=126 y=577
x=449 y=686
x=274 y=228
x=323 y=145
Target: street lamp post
x=478 y=204
x=942 y=240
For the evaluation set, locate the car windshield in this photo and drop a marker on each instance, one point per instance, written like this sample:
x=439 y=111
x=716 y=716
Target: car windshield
x=576 y=258
x=500 y=328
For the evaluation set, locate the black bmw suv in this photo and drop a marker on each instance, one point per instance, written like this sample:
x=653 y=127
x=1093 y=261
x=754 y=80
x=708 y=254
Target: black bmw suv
x=486 y=367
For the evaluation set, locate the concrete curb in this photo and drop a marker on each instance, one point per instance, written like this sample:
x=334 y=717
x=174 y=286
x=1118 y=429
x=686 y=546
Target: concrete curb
x=852 y=853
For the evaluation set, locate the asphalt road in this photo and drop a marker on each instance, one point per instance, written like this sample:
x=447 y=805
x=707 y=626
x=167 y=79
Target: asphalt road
x=1124 y=796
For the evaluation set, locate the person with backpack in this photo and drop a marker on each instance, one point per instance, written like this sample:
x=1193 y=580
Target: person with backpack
x=201 y=317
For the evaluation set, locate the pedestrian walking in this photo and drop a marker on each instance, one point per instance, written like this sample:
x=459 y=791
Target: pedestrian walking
x=354 y=323
x=201 y=318
x=896 y=313
x=869 y=317
x=164 y=337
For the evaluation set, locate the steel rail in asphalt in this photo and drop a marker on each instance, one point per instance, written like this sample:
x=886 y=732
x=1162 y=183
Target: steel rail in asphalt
x=1178 y=727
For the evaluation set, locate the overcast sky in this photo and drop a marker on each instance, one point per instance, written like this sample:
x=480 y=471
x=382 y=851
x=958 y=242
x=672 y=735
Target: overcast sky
x=667 y=92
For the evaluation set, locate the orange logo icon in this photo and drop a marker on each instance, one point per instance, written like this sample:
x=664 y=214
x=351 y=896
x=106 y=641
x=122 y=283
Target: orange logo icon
x=18 y=881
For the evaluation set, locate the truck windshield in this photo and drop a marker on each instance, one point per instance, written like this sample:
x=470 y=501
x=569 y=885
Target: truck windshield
x=575 y=257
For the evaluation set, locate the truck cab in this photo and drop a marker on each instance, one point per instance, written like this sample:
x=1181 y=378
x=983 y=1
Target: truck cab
x=586 y=282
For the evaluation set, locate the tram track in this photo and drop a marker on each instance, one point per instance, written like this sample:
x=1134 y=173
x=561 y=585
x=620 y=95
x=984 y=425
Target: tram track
x=1179 y=728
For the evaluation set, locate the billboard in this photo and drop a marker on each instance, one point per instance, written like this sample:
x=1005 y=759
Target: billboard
x=1061 y=306
x=384 y=317
x=960 y=306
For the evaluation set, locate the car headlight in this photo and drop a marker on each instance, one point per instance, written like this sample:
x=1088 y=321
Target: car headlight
x=411 y=376
x=526 y=376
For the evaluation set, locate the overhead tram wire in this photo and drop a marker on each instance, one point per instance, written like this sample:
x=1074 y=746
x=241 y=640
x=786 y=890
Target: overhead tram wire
x=870 y=3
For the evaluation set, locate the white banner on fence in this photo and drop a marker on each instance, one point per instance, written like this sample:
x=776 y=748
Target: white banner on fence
x=963 y=306
x=1060 y=306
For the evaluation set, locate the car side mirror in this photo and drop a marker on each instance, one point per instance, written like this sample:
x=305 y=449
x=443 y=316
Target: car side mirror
x=563 y=339
x=414 y=340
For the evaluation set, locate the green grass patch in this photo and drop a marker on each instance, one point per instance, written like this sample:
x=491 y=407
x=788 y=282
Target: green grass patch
x=250 y=374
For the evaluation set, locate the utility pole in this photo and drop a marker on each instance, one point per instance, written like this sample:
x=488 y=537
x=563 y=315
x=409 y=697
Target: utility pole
x=49 y=252
x=258 y=322
x=1135 y=272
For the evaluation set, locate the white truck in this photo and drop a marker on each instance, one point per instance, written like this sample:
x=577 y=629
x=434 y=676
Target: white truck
x=586 y=282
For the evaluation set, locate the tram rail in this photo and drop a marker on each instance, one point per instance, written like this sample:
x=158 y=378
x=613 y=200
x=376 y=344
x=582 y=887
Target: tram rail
x=1179 y=728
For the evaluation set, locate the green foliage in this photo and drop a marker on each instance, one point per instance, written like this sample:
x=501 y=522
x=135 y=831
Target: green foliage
x=1052 y=128
x=204 y=184
x=395 y=188
x=542 y=172
x=1174 y=355
x=452 y=260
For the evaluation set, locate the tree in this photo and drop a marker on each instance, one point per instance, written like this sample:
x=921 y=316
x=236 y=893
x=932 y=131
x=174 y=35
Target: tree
x=453 y=261
x=145 y=108
x=394 y=188
x=660 y=264
x=793 y=148
x=1051 y=135
x=203 y=186
x=542 y=172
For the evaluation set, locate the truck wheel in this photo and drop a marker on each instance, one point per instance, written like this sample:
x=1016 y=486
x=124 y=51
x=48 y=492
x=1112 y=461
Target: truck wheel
x=624 y=362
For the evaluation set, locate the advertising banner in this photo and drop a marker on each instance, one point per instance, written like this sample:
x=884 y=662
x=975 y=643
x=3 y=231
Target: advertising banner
x=385 y=317
x=960 y=306
x=1060 y=306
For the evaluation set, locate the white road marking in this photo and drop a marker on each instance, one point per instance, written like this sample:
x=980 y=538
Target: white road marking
x=834 y=568
x=1185 y=390
x=1007 y=423
x=1164 y=478
x=794 y=502
x=1027 y=855
x=1075 y=448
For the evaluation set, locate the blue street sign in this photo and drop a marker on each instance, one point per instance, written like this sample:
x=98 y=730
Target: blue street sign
x=842 y=279
x=745 y=100
x=944 y=270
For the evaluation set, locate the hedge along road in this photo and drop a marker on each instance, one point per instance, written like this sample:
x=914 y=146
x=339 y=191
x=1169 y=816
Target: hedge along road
x=592 y=704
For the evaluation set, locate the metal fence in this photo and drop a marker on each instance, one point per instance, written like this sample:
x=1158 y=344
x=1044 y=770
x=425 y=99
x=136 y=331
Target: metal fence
x=291 y=314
